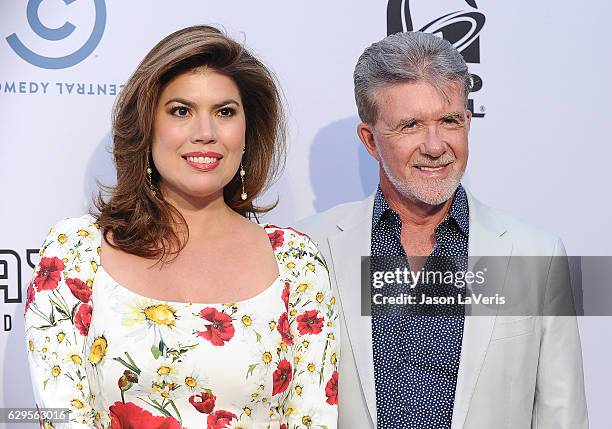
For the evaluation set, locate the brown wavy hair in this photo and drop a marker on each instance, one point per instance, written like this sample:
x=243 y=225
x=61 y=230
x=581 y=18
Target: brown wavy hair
x=140 y=221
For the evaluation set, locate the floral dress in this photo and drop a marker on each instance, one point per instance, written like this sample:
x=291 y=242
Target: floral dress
x=117 y=359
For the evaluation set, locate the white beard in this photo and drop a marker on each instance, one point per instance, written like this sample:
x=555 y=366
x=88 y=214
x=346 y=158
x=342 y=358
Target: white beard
x=431 y=191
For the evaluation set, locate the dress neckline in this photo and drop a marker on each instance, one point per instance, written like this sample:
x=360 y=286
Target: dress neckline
x=278 y=279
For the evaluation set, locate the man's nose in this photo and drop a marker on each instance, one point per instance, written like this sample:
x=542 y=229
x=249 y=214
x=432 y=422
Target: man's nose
x=433 y=144
x=204 y=129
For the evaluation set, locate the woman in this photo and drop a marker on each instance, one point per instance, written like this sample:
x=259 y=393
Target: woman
x=170 y=308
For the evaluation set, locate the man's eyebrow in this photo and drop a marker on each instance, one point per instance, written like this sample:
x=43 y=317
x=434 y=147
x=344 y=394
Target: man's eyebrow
x=453 y=115
x=404 y=121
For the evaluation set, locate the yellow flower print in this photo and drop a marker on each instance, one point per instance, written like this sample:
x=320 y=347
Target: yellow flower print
x=56 y=370
x=306 y=420
x=62 y=238
x=161 y=314
x=319 y=297
x=310 y=266
x=77 y=403
x=311 y=367
x=163 y=370
x=98 y=350
x=272 y=325
x=291 y=265
x=83 y=233
x=333 y=359
x=246 y=320
x=94 y=266
x=266 y=357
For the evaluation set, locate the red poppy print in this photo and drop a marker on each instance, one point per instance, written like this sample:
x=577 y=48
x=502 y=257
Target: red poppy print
x=220 y=329
x=79 y=289
x=131 y=416
x=30 y=297
x=331 y=389
x=219 y=419
x=276 y=238
x=281 y=377
x=49 y=273
x=285 y=296
x=309 y=323
x=82 y=319
x=204 y=402
x=284 y=330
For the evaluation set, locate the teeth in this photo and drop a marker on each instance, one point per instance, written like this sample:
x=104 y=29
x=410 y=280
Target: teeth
x=201 y=159
x=430 y=168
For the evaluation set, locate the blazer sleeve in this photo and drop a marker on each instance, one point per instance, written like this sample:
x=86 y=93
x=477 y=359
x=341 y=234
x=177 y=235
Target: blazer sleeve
x=57 y=316
x=314 y=325
x=560 y=400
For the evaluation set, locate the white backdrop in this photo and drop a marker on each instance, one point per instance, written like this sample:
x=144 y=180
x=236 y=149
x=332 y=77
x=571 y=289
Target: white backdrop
x=541 y=151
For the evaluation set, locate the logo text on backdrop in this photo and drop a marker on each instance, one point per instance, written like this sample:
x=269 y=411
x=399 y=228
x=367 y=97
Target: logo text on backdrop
x=461 y=28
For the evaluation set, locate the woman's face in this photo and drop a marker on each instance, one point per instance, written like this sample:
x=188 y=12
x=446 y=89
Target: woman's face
x=198 y=136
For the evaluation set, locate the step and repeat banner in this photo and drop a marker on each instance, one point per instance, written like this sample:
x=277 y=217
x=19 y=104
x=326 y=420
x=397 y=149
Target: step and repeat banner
x=540 y=144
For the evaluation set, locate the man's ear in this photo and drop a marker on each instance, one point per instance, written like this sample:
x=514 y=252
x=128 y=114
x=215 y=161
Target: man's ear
x=468 y=119
x=366 y=135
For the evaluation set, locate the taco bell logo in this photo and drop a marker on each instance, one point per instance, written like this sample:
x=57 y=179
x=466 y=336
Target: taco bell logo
x=460 y=27
x=57 y=34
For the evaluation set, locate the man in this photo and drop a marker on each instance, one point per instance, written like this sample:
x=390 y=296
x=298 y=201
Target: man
x=457 y=371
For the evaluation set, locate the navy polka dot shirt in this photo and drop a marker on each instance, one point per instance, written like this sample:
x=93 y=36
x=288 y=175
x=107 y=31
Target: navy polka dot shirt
x=416 y=357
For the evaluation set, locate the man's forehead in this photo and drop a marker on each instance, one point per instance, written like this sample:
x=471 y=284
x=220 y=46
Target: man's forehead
x=418 y=100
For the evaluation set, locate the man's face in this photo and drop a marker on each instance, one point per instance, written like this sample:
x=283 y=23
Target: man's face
x=419 y=139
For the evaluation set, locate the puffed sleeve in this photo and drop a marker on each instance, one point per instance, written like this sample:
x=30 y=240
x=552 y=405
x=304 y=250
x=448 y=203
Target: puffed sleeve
x=57 y=316
x=314 y=325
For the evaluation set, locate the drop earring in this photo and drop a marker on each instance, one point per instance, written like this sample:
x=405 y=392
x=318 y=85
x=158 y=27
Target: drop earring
x=244 y=195
x=149 y=171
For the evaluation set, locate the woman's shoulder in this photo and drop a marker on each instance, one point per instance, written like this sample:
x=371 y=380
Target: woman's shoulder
x=282 y=236
x=73 y=229
x=86 y=222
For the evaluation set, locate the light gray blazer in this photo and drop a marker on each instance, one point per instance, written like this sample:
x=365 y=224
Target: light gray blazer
x=515 y=372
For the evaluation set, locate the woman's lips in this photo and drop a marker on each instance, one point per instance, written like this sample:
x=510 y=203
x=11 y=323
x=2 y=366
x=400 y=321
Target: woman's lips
x=203 y=166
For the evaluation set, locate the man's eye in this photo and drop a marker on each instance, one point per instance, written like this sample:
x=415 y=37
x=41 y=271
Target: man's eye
x=226 y=111
x=409 y=125
x=451 y=121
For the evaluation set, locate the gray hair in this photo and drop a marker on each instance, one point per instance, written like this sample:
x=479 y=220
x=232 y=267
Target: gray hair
x=402 y=57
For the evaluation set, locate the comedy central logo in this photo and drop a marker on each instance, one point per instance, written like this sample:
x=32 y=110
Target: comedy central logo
x=58 y=34
x=461 y=28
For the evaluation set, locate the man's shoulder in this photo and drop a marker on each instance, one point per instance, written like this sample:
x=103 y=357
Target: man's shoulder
x=327 y=223
x=526 y=237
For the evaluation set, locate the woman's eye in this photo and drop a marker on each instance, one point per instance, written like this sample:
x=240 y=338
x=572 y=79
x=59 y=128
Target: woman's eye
x=226 y=111
x=180 y=111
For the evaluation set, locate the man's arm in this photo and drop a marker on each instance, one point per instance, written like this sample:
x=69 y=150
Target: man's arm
x=560 y=401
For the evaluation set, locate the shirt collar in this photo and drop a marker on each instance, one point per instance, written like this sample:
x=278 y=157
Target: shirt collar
x=458 y=212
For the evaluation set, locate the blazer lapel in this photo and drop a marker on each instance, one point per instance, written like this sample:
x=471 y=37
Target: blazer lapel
x=347 y=247
x=486 y=238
